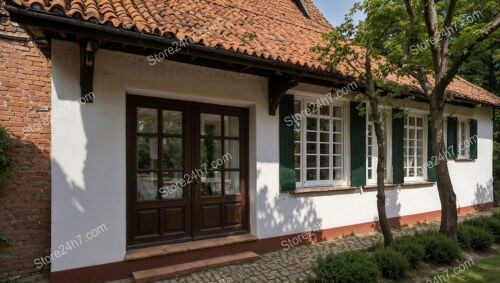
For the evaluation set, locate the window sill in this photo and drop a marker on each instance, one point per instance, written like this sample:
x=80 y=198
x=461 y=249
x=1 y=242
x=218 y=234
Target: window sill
x=464 y=160
x=321 y=190
x=417 y=184
x=374 y=186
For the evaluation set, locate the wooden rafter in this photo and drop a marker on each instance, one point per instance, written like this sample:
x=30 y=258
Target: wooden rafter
x=278 y=85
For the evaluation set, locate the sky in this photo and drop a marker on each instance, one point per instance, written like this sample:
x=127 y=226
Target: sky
x=334 y=10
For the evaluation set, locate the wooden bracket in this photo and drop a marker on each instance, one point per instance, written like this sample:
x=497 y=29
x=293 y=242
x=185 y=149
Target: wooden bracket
x=87 y=54
x=278 y=85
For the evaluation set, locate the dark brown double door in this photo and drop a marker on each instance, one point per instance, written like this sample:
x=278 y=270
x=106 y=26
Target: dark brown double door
x=186 y=171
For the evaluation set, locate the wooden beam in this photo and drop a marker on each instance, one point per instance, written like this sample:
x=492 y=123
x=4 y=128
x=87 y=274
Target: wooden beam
x=278 y=85
x=87 y=55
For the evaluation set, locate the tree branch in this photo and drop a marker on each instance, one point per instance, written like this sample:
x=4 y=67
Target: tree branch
x=446 y=34
x=431 y=22
x=481 y=36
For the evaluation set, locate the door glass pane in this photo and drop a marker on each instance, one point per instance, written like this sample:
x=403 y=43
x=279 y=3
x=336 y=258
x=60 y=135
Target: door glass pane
x=231 y=156
x=147 y=120
x=210 y=124
x=147 y=153
x=231 y=126
x=232 y=182
x=172 y=153
x=172 y=122
x=210 y=152
x=324 y=174
x=147 y=186
x=172 y=185
x=211 y=184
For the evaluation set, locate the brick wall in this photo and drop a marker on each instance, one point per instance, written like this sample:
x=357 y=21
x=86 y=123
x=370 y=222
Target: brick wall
x=25 y=198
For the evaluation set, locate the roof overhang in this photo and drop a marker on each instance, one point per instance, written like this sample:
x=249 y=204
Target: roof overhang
x=43 y=27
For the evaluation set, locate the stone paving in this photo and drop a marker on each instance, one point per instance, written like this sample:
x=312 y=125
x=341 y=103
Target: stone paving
x=294 y=264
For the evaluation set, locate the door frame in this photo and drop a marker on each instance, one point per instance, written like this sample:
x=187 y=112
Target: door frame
x=132 y=102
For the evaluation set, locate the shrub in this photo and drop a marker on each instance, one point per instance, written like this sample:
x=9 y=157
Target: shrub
x=474 y=238
x=496 y=215
x=489 y=223
x=410 y=248
x=438 y=248
x=346 y=267
x=391 y=263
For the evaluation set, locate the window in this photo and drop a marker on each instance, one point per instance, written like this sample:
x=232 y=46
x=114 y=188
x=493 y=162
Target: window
x=372 y=150
x=413 y=148
x=319 y=144
x=463 y=134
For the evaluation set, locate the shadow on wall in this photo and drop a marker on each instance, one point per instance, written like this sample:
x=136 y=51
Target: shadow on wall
x=25 y=212
x=483 y=194
x=289 y=216
x=392 y=207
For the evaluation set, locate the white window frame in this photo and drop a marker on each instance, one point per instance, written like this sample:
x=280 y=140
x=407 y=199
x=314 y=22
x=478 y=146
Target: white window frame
x=387 y=127
x=461 y=140
x=342 y=181
x=410 y=179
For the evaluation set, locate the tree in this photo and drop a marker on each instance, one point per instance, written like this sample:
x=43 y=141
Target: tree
x=430 y=41
x=351 y=47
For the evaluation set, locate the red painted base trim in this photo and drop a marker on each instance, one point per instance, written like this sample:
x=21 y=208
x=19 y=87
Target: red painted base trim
x=124 y=269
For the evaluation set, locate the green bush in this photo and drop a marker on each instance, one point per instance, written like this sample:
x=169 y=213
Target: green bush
x=438 y=248
x=350 y=267
x=496 y=215
x=392 y=264
x=489 y=223
x=410 y=248
x=474 y=238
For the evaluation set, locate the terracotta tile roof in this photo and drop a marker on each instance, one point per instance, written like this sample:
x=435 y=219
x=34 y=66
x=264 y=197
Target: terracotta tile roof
x=276 y=30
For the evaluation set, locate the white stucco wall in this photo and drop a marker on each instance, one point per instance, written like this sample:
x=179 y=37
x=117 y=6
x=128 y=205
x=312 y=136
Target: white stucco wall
x=88 y=156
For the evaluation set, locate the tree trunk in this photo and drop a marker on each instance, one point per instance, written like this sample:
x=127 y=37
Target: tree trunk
x=382 y=214
x=445 y=188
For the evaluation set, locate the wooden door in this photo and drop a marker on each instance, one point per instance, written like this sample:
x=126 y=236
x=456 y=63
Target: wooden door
x=186 y=171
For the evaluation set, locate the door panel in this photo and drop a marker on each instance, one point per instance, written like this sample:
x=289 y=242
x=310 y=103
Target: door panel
x=186 y=171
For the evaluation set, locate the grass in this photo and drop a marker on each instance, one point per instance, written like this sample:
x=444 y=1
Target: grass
x=484 y=270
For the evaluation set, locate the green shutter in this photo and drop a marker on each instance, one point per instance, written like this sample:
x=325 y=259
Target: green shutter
x=358 y=147
x=431 y=173
x=473 y=139
x=398 y=129
x=287 y=157
x=451 y=137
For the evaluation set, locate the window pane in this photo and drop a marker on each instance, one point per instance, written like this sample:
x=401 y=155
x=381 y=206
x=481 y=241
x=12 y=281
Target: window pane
x=231 y=126
x=311 y=161
x=232 y=182
x=336 y=138
x=419 y=122
x=147 y=120
x=324 y=125
x=211 y=184
x=336 y=174
x=324 y=148
x=233 y=149
x=311 y=136
x=324 y=137
x=311 y=148
x=297 y=175
x=337 y=126
x=312 y=124
x=324 y=161
x=297 y=148
x=324 y=110
x=172 y=153
x=337 y=111
x=147 y=153
x=172 y=122
x=172 y=188
x=324 y=174
x=210 y=124
x=311 y=174
x=337 y=149
x=337 y=161
x=297 y=161
x=147 y=186
x=210 y=151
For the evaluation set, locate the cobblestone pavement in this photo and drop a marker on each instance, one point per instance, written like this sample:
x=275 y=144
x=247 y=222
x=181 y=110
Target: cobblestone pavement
x=292 y=265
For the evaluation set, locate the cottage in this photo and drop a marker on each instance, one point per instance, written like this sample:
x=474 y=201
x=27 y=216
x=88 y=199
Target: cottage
x=235 y=139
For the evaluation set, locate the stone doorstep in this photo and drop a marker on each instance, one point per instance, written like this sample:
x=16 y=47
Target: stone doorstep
x=172 y=271
x=187 y=246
